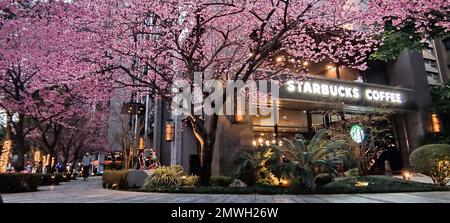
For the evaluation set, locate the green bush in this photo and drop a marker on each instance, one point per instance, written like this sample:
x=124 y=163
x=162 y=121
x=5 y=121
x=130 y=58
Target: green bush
x=375 y=184
x=352 y=172
x=323 y=179
x=115 y=179
x=114 y=166
x=165 y=177
x=221 y=181
x=15 y=183
x=190 y=181
x=434 y=161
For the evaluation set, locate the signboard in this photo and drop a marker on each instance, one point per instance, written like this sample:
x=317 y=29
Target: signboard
x=347 y=92
x=357 y=133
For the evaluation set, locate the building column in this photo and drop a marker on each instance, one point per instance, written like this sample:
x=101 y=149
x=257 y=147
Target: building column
x=409 y=71
x=158 y=127
x=175 y=148
x=403 y=138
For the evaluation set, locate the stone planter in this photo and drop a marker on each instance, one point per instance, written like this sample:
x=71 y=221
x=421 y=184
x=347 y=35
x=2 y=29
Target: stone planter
x=136 y=178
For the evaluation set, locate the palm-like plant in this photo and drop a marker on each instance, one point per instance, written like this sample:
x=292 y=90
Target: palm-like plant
x=299 y=157
x=253 y=165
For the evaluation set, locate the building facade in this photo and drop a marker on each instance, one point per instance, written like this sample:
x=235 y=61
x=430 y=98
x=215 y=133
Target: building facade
x=390 y=101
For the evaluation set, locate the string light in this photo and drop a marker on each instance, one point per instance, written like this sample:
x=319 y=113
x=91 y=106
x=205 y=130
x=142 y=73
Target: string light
x=5 y=157
x=279 y=59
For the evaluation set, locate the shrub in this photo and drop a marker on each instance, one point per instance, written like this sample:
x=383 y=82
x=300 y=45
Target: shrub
x=221 y=181
x=60 y=177
x=441 y=171
x=115 y=179
x=48 y=179
x=190 y=181
x=323 y=179
x=19 y=182
x=165 y=177
x=434 y=161
x=114 y=166
x=352 y=172
x=376 y=184
x=251 y=165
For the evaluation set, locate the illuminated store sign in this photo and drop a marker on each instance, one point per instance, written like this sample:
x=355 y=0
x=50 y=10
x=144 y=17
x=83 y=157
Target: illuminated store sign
x=357 y=133
x=345 y=91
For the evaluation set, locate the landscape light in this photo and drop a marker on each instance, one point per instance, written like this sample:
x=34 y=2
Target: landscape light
x=406 y=175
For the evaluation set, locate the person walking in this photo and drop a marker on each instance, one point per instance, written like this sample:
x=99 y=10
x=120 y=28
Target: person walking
x=86 y=162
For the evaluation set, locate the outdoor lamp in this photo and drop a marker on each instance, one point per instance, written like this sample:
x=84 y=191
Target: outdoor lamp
x=436 y=122
x=406 y=175
x=169 y=130
x=141 y=143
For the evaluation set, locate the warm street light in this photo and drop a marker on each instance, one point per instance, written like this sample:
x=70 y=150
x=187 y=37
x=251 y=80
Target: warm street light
x=169 y=130
x=436 y=122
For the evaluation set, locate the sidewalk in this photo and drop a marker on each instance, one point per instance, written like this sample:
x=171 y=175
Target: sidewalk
x=90 y=191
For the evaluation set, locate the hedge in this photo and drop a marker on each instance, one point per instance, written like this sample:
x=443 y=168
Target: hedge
x=115 y=179
x=19 y=182
x=221 y=181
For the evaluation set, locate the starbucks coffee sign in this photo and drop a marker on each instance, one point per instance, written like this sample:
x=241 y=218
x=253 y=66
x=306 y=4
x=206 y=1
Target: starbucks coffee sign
x=352 y=93
x=344 y=91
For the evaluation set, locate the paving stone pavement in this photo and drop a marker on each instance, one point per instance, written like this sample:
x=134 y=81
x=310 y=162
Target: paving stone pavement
x=90 y=191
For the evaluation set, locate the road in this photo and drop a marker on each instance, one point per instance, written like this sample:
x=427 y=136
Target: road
x=90 y=191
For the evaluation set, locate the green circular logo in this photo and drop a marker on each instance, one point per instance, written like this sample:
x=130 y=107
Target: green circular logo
x=357 y=133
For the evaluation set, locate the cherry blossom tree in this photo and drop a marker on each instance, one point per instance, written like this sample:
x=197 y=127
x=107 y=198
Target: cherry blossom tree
x=43 y=76
x=87 y=133
x=150 y=44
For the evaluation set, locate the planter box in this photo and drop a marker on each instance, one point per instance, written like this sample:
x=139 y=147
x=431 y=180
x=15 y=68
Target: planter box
x=136 y=178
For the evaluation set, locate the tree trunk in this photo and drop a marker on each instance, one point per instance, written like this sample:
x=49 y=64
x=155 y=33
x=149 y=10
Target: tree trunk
x=19 y=142
x=207 y=140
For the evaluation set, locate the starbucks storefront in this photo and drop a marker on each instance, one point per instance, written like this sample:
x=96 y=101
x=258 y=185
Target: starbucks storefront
x=372 y=115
